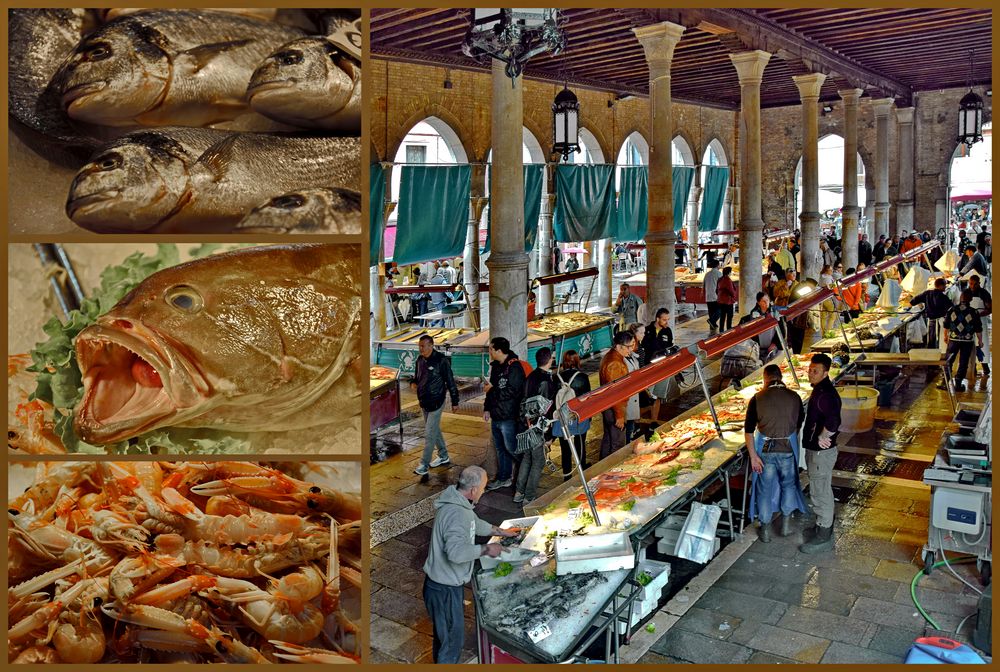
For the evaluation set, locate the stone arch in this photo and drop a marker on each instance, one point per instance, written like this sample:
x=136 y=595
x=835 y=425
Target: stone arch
x=593 y=143
x=541 y=138
x=606 y=149
x=864 y=157
x=445 y=123
x=715 y=142
x=685 y=146
x=640 y=144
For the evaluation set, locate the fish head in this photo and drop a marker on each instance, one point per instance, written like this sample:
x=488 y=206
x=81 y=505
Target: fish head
x=306 y=78
x=198 y=343
x=116 y=74
x=304 y=211
x=132 y=185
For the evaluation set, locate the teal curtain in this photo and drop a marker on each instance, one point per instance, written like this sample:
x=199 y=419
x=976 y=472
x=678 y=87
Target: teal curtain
x=534 y=173
x=585 y=202
x=632 y=217
x=376 y=208
x=682 y=177
x=433 y=213
x=716 y=181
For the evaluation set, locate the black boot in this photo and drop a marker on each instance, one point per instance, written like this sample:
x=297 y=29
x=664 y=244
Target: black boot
x=822 y=542
x=764 y=533
x=786 y=525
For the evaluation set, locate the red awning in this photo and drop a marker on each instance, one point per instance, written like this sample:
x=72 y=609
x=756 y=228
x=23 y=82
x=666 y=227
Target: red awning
x=973 y=195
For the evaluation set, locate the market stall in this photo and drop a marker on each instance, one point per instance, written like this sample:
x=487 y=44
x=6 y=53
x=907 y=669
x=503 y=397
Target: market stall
x=384 y=399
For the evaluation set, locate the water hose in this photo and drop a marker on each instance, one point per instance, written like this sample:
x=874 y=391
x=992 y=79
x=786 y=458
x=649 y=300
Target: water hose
x=916 y=578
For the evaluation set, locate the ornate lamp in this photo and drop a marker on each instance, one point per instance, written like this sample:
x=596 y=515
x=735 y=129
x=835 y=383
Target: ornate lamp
x=970 y=114
x=513 y=36
x=565 y=123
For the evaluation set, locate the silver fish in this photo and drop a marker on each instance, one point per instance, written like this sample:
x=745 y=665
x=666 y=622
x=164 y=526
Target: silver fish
x=211 y=194
x=313 y=211
x=163 y=67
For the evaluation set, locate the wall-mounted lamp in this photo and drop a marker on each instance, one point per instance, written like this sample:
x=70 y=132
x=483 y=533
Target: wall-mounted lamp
x=447 y=79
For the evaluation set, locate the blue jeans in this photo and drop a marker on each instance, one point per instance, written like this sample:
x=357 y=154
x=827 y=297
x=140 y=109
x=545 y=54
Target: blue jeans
x=505 y=442
x=433 y=438
x=777 y=467
x=439 y=305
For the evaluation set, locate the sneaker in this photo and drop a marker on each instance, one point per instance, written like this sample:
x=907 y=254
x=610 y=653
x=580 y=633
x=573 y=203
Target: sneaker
x=440 y=462
x=518 y=497
x=421 y=469
x=496 y=485
x=986 y=369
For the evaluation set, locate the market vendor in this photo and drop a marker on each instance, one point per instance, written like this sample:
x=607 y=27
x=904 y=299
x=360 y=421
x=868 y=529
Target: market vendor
x=936 y=304
x=982 y=301
x=819 y=437
x=972 y=261
x=774 y=416
x=627 y=305
x=450 y=560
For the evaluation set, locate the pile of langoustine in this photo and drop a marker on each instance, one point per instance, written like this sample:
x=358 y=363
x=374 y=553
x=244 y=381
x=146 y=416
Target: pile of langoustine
x=181 y=562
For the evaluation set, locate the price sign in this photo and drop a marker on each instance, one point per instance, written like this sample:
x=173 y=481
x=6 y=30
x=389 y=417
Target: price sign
x=539 y=632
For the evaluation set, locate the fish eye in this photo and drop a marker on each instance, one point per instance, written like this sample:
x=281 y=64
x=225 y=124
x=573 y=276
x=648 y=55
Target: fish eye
x=109 y=162
x=288 y=202
x=184 y=298
x=98 y=52
x=13 y=512
x=288 y=57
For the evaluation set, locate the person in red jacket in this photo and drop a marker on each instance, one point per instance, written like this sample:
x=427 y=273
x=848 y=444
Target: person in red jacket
x=726 y=292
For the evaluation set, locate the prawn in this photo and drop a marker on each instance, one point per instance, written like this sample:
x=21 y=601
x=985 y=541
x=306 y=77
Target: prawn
x=260 y=557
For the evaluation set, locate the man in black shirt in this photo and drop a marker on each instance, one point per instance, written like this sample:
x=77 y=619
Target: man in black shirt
x=936 y=303
x=775 y=413
x=865 y=250
x=820 y=440
x=962 y=325
x=659 y=341
x=433 y=381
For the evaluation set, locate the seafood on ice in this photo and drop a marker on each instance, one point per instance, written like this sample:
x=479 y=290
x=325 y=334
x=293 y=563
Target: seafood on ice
x=132 y=562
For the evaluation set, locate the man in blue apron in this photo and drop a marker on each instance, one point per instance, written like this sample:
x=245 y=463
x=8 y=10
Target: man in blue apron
x=774 y=416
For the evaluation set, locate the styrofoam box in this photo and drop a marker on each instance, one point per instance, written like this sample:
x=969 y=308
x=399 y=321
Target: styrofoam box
x=668 y=548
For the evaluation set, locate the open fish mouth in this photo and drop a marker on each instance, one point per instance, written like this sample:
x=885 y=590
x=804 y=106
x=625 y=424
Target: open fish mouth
x=81 y=202
x=126 y=383
x=81 y=90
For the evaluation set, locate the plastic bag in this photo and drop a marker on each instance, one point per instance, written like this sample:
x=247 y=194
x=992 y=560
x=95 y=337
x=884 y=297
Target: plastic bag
x=916 y=280
x=889 y=298
x=948 y=261
x=916 y=330
x=697 y=538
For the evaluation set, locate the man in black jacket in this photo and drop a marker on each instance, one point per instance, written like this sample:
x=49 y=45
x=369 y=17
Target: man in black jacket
x=659 y=341
x=504 y=394
x=936 y=304
x=820 y=440
x=540 y=383
x=865 y=250
x=433 y=380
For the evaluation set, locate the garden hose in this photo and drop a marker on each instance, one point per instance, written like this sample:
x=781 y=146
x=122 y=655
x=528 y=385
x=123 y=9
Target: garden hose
x=913 y=586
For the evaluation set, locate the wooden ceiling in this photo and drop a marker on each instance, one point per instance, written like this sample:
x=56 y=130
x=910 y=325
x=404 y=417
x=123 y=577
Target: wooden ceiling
x=888 y=52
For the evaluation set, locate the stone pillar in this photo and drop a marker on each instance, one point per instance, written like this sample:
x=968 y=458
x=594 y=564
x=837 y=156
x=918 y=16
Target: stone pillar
x=545 y=295
x=470 y=260
x=851 y=213
x=658 y=42
x=882 y=108
x=809 y=87
x=508 y=263
x=376 y=281
x=605 y=266
x=750 y=68
x=727 y=207
x=692 y=223
x=870 y=216
x=904 y=206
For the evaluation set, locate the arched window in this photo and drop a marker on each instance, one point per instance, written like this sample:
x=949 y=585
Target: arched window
x=970 y=181
x=831 y=183
x=633 y=152
x=590 y=149
x=430 y=141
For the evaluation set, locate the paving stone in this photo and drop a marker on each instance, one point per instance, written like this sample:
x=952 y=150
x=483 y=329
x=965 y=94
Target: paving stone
x=764 y=658
x=403 y=609
x=386 y=635
x=377 y=657
x=844 y=560
x=416 y=649
x=858 y=584
x=893 y=641
x=823 y=624
x=709 y=623
x=743 y=582
x=789 y=644
x=737 y=604
x=700 y=649
x=883 y=549
x=403 y=578
x=401 y=553
x=653 y=658
x=879 y=611
x=935 y=601
x=746 y=632
x=419 y=536
x=827 y=599
x=838 y=652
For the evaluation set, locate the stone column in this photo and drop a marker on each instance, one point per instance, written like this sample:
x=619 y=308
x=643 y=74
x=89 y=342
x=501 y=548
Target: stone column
x=658 y=42
x=508 y=263
x=376 y=282
x=692 y=223
x=602 y=258
x=851 y=213
x=470 y=260
x=546 y=294
x=727 y=207
x=870 y=216
x=809 y=87
x=904 y=206
x=750 y=69
x=882 y=108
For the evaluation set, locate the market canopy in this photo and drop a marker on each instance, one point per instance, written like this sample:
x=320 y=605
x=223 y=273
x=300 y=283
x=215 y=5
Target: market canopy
x=972 y=195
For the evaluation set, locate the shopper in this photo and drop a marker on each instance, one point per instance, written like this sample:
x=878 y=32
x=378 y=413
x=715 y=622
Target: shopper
x=450 y=560
x=878 y=252
x=438 y=299
x=771 y=434
x=571 y=376
x=572 y=264
x=982 y=301
x=634 y=361
x=540 y=383
x=852 y=295
x=962 y=325
x=658 y=342
x=864 y=250
x=711 y=284
x=433 y=381
x=820 y=440
x=504 y=394
x=767 y=340
x=726 y=291
x=936 y=305
x=613 y=367
x=627 y=305
x=783 y=290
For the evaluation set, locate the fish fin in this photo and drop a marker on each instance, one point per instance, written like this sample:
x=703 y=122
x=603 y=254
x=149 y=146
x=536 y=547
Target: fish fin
x=217 y=157
x=203 y=54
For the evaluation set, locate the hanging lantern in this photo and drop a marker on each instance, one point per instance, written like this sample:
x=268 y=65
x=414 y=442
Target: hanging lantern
x=565 y=123
x=513 y=36
x=970 y=114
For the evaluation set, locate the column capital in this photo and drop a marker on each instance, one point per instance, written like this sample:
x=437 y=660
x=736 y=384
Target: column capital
x=658 y=42
x=478 y=204
x=750 y=65
x=904 y=115
x=850 y=96
x=695 y=194
x=809 y=85
x=882 y=106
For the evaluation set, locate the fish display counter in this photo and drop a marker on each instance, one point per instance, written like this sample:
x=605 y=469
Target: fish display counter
x=587 y=333
x=688 y=285
x=467 y=349
x=385 y=399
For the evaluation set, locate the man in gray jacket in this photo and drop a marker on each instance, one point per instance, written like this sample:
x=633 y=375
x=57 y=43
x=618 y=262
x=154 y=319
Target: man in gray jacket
x=453 y=552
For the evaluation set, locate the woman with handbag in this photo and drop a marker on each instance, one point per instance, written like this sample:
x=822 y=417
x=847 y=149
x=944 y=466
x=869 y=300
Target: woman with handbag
x=573 y=382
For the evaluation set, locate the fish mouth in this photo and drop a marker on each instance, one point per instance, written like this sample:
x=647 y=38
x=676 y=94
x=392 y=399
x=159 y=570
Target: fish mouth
x=132 y=382
x=80 y=202
x=74 y=93
x=272 y=85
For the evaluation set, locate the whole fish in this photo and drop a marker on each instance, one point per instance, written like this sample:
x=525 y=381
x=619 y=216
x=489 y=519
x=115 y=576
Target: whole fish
x=263 y=13
x=315 y=211
x=260 y=339
x=162 y=67
x=39 y=41
x=210 y=194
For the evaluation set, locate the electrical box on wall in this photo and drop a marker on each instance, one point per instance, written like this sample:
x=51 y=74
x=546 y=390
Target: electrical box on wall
x=957 y=510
